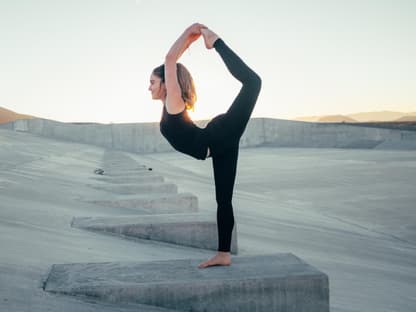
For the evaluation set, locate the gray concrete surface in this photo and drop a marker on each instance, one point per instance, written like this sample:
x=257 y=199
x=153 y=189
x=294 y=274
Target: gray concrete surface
x=193 y=229
x=129 y=179
x=348 y=212
x=280 y=282
x=42 y=183
x=149 y=203
x=141 y=188
x=116 y=172
x=21 y=289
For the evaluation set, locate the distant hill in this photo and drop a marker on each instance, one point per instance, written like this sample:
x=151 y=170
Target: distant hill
x=7 y=115
x=407 y=118
x=336 y=118
x=378 y=116
x=361 y=117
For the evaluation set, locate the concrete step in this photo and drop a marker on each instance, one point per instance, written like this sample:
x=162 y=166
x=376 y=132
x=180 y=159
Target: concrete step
x=124 y=172
x=153 y=203
x=141 y=188
x=194 y=229
x=280 y=282
x=128 y=173
x=123 y=166
x=129 y=179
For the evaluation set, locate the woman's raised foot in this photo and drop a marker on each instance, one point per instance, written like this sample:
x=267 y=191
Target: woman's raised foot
x=209 y=37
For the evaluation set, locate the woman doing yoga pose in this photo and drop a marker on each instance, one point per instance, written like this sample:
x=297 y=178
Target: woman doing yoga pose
x=173 y=85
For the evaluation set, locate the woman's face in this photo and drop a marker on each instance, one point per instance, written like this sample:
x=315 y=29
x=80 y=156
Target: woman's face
x=157 y=88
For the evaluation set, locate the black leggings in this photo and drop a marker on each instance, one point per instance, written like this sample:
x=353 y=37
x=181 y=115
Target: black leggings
x=224 y=133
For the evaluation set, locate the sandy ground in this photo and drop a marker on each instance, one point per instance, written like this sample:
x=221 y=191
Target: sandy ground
x=350 y=213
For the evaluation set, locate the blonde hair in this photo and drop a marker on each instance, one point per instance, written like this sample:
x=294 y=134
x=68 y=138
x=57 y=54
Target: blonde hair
x=185 y=81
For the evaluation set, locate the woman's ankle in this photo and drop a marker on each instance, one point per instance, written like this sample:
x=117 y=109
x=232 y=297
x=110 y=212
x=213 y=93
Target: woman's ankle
x=209 y=38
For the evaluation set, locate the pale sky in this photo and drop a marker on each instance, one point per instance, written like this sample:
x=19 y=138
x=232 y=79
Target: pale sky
x=90 y=60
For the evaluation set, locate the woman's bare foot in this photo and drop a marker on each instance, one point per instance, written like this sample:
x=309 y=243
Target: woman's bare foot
x=221 y=258
x=209 y=37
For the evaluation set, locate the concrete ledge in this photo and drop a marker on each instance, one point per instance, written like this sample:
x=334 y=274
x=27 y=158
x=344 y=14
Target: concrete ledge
x=194 y=230
x=280 y=282
x=128 y=173
x=130 y=179
x=122 y=165
x=154 y=204
x=122 y=172
x=142 y=188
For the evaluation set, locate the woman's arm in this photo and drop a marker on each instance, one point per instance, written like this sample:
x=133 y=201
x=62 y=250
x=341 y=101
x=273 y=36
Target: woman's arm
x=174 y=101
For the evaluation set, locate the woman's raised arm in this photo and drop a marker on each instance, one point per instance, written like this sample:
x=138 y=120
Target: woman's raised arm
x=174 y=102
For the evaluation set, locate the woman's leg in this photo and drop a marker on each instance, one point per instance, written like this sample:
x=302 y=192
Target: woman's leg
x=225 y=169
x=230 y=126
x=224 y=133
x=238 y=115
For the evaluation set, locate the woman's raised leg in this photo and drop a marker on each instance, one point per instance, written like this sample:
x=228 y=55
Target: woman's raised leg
x=238 y=115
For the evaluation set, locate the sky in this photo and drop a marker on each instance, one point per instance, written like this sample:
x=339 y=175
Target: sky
x=91 y=60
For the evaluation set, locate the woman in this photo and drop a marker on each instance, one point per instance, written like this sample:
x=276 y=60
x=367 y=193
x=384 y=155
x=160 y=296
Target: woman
x=173 y=85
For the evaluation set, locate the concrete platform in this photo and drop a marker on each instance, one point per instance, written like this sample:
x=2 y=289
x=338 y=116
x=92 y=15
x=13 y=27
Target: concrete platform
x=124 y=166
x=129 y=179
x=141 y=188
x=128 y=173
x=280 y=282
x=194 y=230
x=306 y=201
x=152 y=203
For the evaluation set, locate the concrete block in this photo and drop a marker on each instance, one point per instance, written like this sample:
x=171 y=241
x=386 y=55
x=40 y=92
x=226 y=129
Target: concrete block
x=280 y=282
x=123 y=166
x=125 y=169
x=153 y=204
x=141 y=188
x=127 y=173
x=194 y=229
x=129 y=179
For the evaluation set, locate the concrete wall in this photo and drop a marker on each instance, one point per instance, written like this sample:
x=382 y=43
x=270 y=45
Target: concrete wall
x=146 y=137
x=308 y=134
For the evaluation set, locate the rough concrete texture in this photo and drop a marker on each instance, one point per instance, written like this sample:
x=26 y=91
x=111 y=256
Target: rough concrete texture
x=142 y=188
x=348 y=212
x=129 y=179
x=280 y=282
x=21 y=290
x=117 y=160
x=194 y=229
x=150 y=203
x=128 y=172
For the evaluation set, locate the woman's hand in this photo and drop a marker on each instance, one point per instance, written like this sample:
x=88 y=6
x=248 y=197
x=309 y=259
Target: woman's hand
x=193 y=32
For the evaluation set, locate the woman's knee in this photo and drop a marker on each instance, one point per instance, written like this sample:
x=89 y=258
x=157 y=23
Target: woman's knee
x=225 y=215
x=255 y=82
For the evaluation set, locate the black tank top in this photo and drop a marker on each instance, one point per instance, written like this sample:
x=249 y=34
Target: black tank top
x=183 y=134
